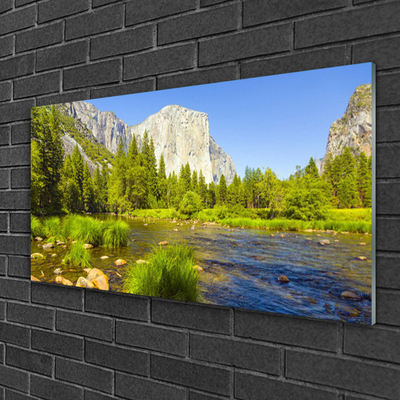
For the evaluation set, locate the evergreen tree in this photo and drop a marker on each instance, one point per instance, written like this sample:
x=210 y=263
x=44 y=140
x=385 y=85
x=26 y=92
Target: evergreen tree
x=311 y=169
x=117 y=183
x=132 y=151
x=194 y=182
x=162 y=183
x=202 y=188
x=364 y=180
x=77 y=166
x=222 y=189
x=87 y=190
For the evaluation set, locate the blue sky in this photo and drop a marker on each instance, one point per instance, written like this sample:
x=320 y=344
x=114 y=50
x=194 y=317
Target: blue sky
x=277 y=121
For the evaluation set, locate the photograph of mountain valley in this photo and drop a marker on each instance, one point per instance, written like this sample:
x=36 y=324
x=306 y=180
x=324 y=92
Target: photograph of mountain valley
x=255 y=194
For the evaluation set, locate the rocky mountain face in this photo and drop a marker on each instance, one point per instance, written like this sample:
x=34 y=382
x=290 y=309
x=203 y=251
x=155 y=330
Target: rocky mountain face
x=354 y=129
x=180 y=134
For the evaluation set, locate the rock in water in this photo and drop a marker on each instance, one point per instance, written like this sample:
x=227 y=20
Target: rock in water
x=101 y=282
x=120 y=262
x=283 y=279
x=58 y=271
x=347 y=294
x=104 y=257
x=35 y=279
x=88 y=246
x=198 y=268
x=361 y=258
x=37 y=255
x=63 y=281
x=83 y=282
x=141 y=262
x=38 y=239
x=324 y=242
x=181 y=135
x=164 y=243
x=48 y=246
x=93 y=274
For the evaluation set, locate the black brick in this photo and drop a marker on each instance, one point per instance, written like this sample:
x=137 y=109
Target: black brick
x=251 y=387
x=85 y=375
x=93 y=74
x=62 y=56
x=13 y=378
x=103 y=20
x=99 y=3
x=18 y=245
x=85 y=325
x=372 y=343
x=359 y=376
x=146 y=10
x=205 y=3
x=37 y=85
x=387 y=306
x=29 y=360
x=6 y=5
x=10 y=333
x=56 y=295
x=4 y=139
x=21 y=133
x=341 y=26
x=30 y=315
x=116 y=358
x=56 y=343
x=287 y=330
x=382 y=52
x=332 y=57
x=5 y=91
x=198 y=376
x=39 y=37
x=51 y=389
x=151 y=337
x=160 y=61
x=388 y=272
x=19 y=3
x=258 y=42
x=145 y=85
x=134 y=388
x=235 y=353
x=3 y=265
x=89 y=395
x=17 y=20
x=12 y=395
x=260 y=11
x=386 y=92
x=193 y=316
x=20 y=178
x=16 y=66
x=4 y=178
x=127 y=41
x=14 y=289
x=15 y=111
x=211 y=75
x=386 y=198
x=2 y=309
x=63 y=98
x=6 y=46
x=388 y=234
x=117 y=305
x=20 y=222
x=3 y=222
x=14 y=200
x=199 y=24
x=54 y=9
x=19 y=266
x=387 y=122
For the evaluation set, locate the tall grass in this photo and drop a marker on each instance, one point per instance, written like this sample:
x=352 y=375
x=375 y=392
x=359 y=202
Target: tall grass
x=299 y=225
x=115 y=234
x=83 y=229
x=169 y=275
x=37 y=229
x=78 y=256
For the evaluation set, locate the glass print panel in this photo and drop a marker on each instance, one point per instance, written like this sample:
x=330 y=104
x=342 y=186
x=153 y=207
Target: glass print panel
x=257 y=194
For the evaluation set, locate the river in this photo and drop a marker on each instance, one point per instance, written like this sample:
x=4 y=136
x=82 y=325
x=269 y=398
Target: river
x=242 y=266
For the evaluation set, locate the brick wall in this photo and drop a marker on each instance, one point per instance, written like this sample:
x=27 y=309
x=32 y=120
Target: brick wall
x=68 y=343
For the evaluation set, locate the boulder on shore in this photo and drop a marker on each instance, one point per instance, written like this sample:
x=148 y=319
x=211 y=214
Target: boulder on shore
x=63 y=281
x=83 y=282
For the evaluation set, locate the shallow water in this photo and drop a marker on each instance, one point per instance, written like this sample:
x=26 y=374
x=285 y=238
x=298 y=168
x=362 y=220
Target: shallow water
x=242 y=266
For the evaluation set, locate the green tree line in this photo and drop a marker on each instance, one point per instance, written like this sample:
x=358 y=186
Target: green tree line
x=137 y=180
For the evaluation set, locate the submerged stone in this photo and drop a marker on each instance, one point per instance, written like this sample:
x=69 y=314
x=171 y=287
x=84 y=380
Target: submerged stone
x=348 y=294
x=283 y=279
x=120 y=262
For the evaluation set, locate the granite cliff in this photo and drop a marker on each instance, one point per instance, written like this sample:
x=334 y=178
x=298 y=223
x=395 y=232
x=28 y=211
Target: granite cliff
x=354 y=129
x=182 y=135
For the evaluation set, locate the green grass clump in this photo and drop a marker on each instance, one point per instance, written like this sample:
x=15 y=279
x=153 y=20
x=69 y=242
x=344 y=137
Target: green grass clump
x=115 y=234
x=169 y=274
x=87 y=230
x=37 y=229
x=52 y=229
x=350 y=214
x=78 y=256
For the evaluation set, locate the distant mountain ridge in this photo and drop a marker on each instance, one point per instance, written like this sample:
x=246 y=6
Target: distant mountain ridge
x=182 y=135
